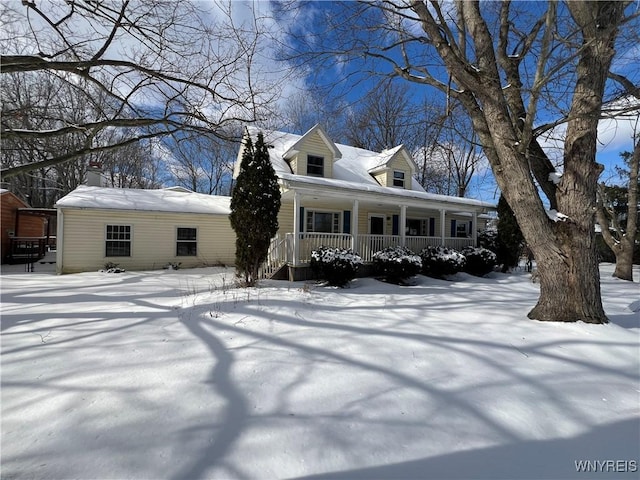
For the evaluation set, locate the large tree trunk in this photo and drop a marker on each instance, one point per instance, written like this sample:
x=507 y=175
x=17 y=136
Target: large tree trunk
x=624 y=263
x=564 y=247
x=624 y=259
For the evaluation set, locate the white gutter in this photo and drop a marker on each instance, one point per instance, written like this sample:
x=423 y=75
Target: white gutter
x=373 y=194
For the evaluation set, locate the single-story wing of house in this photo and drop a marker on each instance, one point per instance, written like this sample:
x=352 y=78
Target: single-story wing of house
x=142 y=229
x=342 y=196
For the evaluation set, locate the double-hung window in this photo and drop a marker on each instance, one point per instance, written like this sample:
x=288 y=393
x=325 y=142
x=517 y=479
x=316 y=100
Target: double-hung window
x=315 y=166
x=118 y=241
x=323 y=222
x=398 y=178
x=415 y=227
x=186 y=242
x=461 y=230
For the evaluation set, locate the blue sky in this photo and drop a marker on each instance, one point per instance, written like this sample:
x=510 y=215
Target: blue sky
x=349 y=73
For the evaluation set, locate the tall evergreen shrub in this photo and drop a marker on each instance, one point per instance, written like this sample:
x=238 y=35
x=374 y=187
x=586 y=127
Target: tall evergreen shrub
x=255 y=203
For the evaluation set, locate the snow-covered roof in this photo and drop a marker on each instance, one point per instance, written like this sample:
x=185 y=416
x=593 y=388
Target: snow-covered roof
x=163 y=200
x=352 y=171
x=325 y=138
x=3 y=190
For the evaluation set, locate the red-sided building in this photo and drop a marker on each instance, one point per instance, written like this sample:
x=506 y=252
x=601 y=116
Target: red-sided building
x=25 y=230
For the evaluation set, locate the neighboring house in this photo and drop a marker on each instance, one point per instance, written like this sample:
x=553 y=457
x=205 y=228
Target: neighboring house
x=142 y=229
x=337 y=195
x=25 y=230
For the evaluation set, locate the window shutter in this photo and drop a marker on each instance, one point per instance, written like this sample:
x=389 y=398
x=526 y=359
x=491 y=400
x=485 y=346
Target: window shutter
x=454 y=228
x=394 y=225
x=301 y=219
x=432 y=227
x=346 y=221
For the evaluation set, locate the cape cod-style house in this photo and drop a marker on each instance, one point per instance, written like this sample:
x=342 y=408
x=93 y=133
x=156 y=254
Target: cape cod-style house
x=342 y=196
x=332 y=195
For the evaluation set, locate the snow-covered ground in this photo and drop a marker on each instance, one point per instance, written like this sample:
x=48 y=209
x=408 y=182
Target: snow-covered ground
x=176 y=375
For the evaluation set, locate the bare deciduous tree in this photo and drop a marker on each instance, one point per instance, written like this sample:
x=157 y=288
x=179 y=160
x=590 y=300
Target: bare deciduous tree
x=505 y=63
x=146 y=68
x=621 y=238
x=202 y=164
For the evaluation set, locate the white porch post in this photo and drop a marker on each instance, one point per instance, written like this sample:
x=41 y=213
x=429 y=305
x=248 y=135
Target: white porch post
x=354 y=225
x=442 y=227
x=474 y=229
x=296 y=228
x=403 y=225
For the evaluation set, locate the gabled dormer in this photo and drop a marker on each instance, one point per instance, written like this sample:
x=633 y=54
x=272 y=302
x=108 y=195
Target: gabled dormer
x=395 y=168
x=313 y=154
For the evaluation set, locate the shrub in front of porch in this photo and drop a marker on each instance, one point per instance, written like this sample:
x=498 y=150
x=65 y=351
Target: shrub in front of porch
x=397 y=264
x=479 y=260
x=337 y=266
x=440 y=261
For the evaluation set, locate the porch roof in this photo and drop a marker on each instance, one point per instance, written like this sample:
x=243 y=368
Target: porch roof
x=330 y=187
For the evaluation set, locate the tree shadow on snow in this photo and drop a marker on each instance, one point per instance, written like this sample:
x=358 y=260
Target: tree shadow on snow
x=615 y=444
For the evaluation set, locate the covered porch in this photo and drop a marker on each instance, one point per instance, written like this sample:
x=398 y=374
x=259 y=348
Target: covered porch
x=367 y=222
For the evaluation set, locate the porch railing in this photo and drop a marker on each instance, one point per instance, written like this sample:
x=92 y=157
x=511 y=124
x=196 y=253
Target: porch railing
x=312 y=241
x=281 y=251
x=367 y=245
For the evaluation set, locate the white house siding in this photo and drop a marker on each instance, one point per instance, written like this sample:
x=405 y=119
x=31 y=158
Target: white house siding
x=153 y=239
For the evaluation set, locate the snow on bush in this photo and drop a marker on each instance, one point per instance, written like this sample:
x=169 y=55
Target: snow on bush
x=337 y=266
x=397 y=264
x=440 y=261
x=479 y=260
x=111 y=267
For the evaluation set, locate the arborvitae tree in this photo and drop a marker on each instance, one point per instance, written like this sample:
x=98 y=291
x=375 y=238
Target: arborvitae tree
x=509 y=240
x=255 y=203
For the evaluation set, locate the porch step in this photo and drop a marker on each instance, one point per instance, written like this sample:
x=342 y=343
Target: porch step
x=281 y=273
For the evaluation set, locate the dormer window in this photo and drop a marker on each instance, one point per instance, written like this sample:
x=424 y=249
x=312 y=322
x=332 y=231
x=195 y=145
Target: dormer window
x=315 y=166
x=398 y=178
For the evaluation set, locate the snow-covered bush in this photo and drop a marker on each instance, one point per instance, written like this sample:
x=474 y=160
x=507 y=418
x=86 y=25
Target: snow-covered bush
x=479 y=260
x=488 y=239
x=337 y=266
x=440 y=261
x=397 y=264
x=111 y=267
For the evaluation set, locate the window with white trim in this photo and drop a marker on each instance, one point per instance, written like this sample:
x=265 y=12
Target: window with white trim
x=461 y=230
x=416 y=227
x=322 y=222
x=315 y=166
x=186 y=242
x=118 y=241
x=398 y=178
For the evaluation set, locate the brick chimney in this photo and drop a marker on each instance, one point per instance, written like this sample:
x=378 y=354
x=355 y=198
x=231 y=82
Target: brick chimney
x=94 y=174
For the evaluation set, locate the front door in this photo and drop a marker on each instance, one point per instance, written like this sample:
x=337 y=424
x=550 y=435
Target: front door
x=376 y=227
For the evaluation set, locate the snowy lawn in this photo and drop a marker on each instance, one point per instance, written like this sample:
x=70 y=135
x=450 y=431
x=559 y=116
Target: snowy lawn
x=174 y=375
